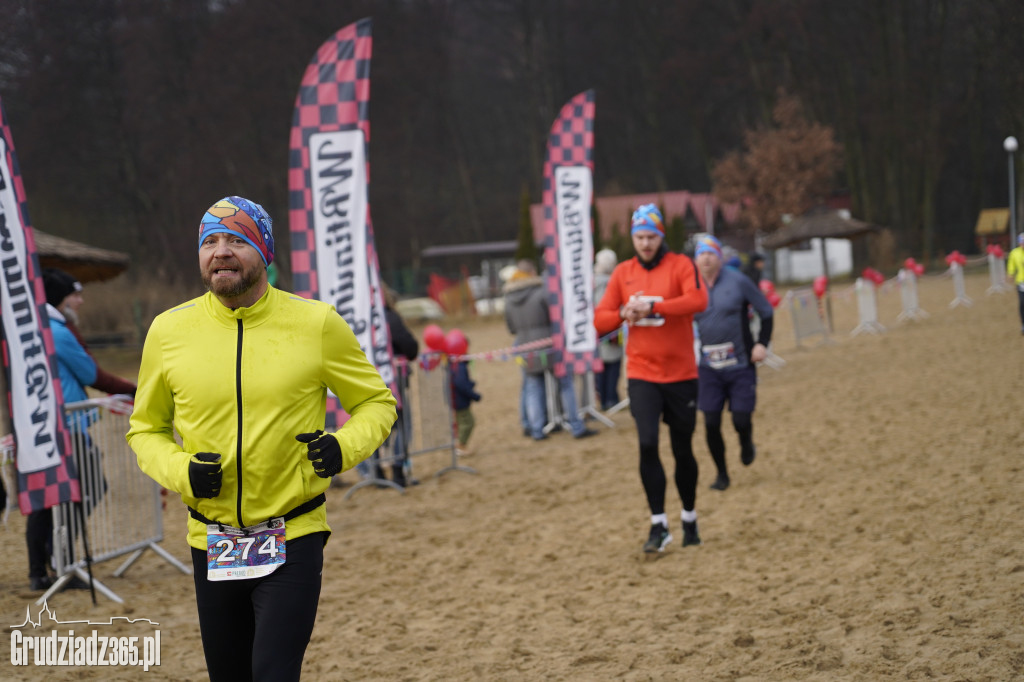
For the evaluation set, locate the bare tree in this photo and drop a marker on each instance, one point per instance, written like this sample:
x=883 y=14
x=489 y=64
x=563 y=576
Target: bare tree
x=787 y=168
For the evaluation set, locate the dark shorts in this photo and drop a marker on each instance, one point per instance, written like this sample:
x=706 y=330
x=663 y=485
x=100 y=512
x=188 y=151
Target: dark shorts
x=738 y=386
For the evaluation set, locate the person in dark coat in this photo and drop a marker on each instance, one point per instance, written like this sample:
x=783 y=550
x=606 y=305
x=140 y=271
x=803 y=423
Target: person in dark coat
x=404 y=346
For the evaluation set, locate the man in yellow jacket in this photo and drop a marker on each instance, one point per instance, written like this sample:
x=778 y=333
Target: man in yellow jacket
x=1015 y=271
x=242 y=374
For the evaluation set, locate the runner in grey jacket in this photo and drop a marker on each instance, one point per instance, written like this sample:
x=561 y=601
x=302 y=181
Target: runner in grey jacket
x=729 y=354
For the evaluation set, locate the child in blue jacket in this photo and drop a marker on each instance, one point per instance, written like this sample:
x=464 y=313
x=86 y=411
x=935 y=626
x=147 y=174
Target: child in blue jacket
x=463 y=396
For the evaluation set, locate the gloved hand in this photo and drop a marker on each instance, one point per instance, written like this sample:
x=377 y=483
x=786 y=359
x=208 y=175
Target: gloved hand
x=204 y=474
x=324 y=452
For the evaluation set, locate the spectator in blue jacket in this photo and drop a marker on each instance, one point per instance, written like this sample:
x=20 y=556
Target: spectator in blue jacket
x=76 y=370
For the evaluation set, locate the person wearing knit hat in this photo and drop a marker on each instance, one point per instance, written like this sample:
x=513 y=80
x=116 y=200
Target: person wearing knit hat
x=64 y=296
x=657 y=294
x=77 y=369
x=528 y=318
x=727 y=372
x=59 y=285
x=242 y=374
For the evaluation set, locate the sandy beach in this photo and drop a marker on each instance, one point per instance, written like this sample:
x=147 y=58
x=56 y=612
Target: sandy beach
x=877 y=535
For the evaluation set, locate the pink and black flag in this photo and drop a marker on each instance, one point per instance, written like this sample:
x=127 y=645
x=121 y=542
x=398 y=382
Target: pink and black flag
x=334 y=258
x=46 y=471
x=568 y=240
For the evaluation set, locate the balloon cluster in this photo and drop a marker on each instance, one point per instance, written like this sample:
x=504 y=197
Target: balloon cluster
x=452 y=343
x=913 y=266
x=820 y=285
x=956 y=257
x=874 y=276
x=995 y=250
x=768 y=289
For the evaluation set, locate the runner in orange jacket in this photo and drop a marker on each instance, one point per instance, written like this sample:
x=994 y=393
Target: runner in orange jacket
x=657 y=294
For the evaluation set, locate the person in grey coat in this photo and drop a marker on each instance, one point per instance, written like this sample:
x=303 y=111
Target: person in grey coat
x=526 y=314
x=609 y=350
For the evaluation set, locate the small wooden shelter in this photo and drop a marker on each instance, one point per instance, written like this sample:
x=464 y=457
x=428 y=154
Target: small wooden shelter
x=85 y=263
x=818 y=225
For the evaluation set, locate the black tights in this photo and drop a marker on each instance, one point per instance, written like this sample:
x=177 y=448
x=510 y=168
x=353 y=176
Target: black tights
x=744 y=425
x=676 y=403
x=258 y=629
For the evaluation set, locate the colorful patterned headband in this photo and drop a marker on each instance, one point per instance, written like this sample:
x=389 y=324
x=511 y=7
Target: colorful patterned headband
x=648 y=217
x=242 y=218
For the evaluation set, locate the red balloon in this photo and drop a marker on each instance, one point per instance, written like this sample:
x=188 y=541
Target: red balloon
x=766 y=286
x=774 y=298
x=995 y=250
x=955 y=257
x=909 y=263
x=430 y=361
x=455 y=343
x=820 y=285
x=918 y=269
x=873 y=275
x=433 y=336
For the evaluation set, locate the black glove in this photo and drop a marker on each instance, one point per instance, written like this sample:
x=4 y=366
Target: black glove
x=324 y=452
x=204 y=475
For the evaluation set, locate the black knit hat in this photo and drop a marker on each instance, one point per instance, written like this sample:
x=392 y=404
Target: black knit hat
x=59 y=285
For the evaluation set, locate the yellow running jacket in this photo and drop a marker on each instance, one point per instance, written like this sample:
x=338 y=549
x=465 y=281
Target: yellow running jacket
x=243 y=383
x=1015 y=265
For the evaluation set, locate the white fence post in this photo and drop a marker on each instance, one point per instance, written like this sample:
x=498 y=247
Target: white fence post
x=908 y=297
x=957 y=271
x=997 y=275
x=867 y=308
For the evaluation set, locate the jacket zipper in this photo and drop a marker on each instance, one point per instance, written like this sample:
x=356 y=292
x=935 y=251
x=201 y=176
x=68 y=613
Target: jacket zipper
x=238 y=410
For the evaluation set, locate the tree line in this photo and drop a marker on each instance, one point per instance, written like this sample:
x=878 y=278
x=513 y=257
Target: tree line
x=130 y=117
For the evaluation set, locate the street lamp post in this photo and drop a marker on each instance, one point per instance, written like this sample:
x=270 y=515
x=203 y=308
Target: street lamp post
x=1010 y=145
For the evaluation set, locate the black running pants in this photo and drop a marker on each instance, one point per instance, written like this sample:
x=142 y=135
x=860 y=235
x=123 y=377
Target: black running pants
x=258 y=629
x=1020 y=306
x=675 y=404
x=744 y=425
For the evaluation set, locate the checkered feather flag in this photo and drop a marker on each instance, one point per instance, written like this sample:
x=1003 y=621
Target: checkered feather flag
x=568 y=240
x=334 y=258
x=46 y=470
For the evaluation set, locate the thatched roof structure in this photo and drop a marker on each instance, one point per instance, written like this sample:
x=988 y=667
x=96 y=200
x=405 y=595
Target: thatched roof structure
x=86 y=263
x=818 y=225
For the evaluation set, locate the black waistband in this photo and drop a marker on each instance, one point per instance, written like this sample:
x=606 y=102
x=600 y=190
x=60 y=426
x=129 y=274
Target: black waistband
x=304 y=508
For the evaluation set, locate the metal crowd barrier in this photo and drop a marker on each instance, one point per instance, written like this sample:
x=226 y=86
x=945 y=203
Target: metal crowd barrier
x=120 y=514
x=808 y=317
x=426 y=421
